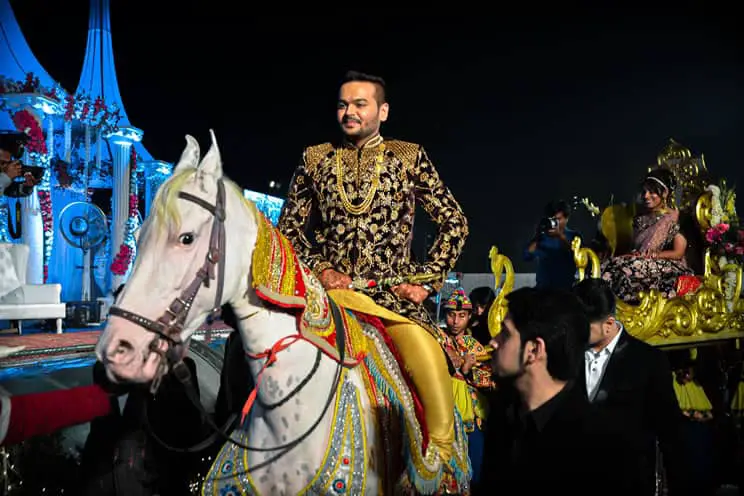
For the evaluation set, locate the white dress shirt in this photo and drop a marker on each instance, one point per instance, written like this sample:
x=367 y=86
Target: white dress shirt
x=596 y=364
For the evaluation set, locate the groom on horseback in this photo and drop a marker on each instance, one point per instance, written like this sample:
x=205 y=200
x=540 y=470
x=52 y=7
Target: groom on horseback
x=363 y=192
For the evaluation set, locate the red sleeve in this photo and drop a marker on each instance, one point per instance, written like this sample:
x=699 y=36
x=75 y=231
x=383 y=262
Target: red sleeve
x=28 y=415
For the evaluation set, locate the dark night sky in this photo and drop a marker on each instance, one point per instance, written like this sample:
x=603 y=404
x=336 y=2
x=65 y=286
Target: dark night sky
x=513 y=110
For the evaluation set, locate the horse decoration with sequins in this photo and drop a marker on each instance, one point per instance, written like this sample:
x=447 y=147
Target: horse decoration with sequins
x=333 y=410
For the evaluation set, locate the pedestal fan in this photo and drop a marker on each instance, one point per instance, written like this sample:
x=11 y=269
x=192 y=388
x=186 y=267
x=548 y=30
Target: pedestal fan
x=83 y=225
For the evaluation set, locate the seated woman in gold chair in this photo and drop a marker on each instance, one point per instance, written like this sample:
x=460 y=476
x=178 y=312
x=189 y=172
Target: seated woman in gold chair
x=658 y=256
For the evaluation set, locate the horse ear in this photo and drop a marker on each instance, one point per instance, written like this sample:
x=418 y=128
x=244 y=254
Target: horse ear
x=190 y=156
x=212 y=163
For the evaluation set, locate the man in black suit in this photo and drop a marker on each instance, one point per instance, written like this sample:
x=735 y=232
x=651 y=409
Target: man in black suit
x=629 y=385
x=539 y=441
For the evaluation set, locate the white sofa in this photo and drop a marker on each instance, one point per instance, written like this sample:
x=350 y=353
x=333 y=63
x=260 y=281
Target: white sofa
x=20 y=301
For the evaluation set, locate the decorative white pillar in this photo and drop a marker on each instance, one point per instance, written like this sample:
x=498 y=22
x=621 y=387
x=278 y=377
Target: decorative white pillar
x=86 y=154
x=120 y=201
x=44 y=196
x=68 y=141
x=99 y=149
x=33 y=234
x=121 y=142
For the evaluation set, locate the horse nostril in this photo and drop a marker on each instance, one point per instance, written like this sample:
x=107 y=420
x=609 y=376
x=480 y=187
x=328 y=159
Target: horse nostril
x=123 y=347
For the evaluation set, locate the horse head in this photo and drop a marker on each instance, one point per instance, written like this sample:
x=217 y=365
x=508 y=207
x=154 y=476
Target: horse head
x=179 y=277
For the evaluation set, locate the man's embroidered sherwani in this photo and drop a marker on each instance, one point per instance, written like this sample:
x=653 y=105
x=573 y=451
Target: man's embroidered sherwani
x=377 y=243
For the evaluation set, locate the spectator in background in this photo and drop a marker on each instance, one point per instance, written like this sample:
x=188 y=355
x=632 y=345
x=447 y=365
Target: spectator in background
x=481 y=297
x=551 y=247
x=471 y=376
x=629 y=385
x=539 y=440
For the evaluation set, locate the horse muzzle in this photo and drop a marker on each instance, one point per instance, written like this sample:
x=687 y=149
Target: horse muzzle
x=130 y=360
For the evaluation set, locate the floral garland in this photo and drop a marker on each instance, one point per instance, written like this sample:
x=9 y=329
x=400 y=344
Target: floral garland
x=124 y=256
x=29 y=85
x=28 y=123
x=727 y=240
x=94 y=114
x=80 y=106
x=47 y=218
x=725 y=237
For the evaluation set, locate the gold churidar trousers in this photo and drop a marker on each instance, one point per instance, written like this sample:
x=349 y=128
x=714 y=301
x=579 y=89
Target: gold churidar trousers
x=424 y=360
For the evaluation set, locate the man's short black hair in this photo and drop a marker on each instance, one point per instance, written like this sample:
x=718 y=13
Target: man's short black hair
x=352 y=76
x=556 y=206
x=557 y=317
x=483 y=296
x=597 y=297
x=13 y=142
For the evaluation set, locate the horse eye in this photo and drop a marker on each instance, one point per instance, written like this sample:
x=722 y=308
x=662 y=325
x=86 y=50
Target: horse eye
x=186 y=238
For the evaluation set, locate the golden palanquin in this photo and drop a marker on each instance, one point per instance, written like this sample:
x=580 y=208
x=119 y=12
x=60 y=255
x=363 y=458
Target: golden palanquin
x=714 y=311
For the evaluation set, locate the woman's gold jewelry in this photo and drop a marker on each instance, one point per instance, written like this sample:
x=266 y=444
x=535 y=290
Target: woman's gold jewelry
x=367 y=202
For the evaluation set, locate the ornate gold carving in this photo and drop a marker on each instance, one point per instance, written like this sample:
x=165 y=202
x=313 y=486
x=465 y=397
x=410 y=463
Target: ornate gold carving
x=673 y=152
x=703 y=210
x=691 y=171
x=501 y=266
x=617 y=227
x=583 y=257
x=702 y=316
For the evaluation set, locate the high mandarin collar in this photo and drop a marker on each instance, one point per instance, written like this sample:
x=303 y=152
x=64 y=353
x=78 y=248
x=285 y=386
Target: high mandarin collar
x=372 y=142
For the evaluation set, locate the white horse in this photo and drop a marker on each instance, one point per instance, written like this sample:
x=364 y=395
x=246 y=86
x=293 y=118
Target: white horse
x=320 y=424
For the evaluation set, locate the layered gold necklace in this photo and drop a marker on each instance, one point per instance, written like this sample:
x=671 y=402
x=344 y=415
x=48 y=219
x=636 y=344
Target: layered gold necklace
x=367 y=202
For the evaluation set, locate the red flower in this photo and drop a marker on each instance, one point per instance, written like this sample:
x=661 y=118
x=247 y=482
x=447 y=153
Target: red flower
x=69 y=108
x=122 y=260
x=26 y=123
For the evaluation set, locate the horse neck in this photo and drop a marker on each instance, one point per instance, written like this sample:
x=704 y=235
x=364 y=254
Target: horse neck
x=260 y=328
x=296 y=364
x=263 y=329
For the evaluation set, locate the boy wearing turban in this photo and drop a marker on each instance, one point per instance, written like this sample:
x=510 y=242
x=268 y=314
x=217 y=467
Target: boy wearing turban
x=471 y=373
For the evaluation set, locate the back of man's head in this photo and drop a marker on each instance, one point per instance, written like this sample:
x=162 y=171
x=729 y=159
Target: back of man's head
x=597 y=298
x=557 y=318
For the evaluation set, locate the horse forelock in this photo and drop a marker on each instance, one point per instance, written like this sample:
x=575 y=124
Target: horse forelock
x=167 y=215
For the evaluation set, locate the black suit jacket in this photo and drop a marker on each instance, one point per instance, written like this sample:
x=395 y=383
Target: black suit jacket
x=552 y=450
x=634 y=406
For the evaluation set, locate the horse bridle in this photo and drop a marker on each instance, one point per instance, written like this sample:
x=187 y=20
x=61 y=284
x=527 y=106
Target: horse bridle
x=168 y=327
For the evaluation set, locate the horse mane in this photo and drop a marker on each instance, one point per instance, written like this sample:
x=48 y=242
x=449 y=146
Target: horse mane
x=166 y=199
